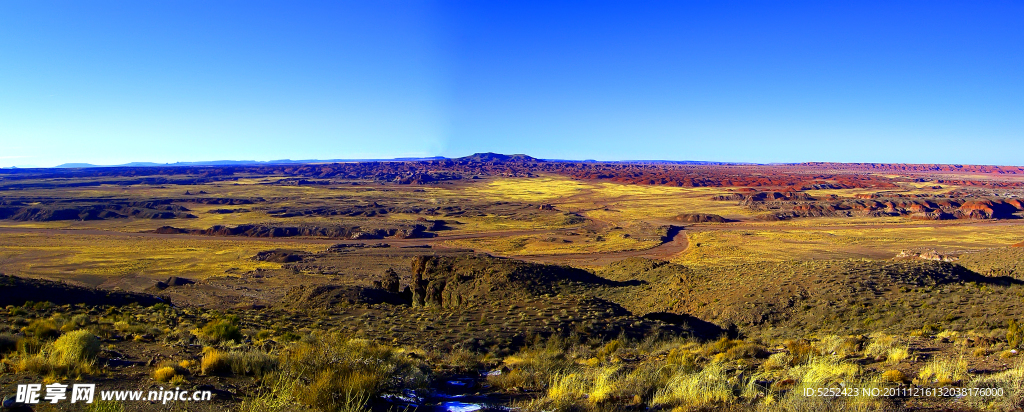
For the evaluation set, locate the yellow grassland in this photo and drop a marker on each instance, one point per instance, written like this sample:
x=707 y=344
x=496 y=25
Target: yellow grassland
x=35 y=254
x=781 y=243
x=547 y=245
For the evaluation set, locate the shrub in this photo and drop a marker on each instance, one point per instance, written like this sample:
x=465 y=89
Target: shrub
x=41 y=329
x=539 y=362
x=746 y=351
x=1014 y=334
x=1010 y=381
x=336 y=373
x=825 y=370
x=164 y=374
x=710 y=386
x=880 y=346
x=515 y=378
x=74 y=347
x=894 y=375
x=73 y=353
x=944 y=371
x=462 y=359
x=897 y=355
x=220 y=330
x=28 y=346
x=801 y=351
x=167 y=371
x=608 y=349
x=214 y=362
x=8 y=342
x=567 y=388
x=252 y=363
x=838 y=345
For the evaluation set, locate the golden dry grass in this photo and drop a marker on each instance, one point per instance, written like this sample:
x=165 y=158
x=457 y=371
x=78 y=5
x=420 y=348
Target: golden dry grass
x=546 y=245
x=782 y=244
x=37 y=254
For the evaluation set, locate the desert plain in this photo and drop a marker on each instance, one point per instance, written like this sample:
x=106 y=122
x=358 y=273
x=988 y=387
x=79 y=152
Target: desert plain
x=505 y=282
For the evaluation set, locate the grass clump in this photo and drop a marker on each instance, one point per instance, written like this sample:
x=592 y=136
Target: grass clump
x=41 y=329
x=221 y=330
x=944 y=371
x=169 y=371
x=337 y=373
x=251 y=363
x=1010 y=381
x=74 y=353
x=701 y=389
x=164 y=374
x=897 y=354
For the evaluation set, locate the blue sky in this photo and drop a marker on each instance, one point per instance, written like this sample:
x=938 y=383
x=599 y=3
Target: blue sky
x=109 y=82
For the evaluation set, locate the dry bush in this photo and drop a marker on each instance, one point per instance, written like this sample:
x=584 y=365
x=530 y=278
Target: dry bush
x=538 y=363
x=8 y=342
x=778 y=361
x=220 y=330
x=515 y=379
x=41 y=329
x=839 y=345
x=705 y=388
x=167 y=371
x=334 y=373
x=609 y=349
x=73 y=353
x=684 y=358
x=822 y=371
x=1010 y=381
x=880 y=346
x=462 y=359
x=944 y=371
x=746 y=350
x=800 y=351
x=253 y=363
x=894 y=375
x=164 y=374
x=1014 y=334
x=897 y=354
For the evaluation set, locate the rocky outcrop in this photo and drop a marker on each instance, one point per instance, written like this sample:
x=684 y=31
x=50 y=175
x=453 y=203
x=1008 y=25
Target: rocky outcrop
x=453 y=281
x=280 y=256
x=327 y=296
x=390 y=281
x=700 y=218
x=927 y=255
x=785 y=206
x=71 y=210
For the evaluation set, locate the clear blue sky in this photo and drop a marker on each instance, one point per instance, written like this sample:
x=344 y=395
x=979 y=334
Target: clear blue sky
x=109 y=82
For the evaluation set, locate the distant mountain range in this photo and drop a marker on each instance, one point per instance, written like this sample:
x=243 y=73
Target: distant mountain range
x=246 y=162
x=477 y=157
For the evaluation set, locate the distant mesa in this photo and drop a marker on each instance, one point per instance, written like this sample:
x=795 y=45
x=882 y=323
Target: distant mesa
x=499 y=158
x=279 y=256
x=701 y=218
x=927 y=255
x=172 y=281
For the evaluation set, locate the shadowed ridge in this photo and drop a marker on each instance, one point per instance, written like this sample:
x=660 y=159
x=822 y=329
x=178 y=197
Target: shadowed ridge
x=17 y=290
